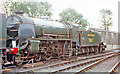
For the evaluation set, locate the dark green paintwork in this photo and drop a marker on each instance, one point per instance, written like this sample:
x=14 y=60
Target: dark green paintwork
x=50 y=27
x=74 y=35
x=34 y=46
x=85 y=39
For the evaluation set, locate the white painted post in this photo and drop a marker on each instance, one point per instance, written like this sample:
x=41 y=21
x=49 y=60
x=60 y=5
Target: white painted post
x=32 y=66
x=14 y=44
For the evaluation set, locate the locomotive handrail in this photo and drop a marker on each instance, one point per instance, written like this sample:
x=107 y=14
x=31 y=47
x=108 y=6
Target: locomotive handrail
x=49 y=39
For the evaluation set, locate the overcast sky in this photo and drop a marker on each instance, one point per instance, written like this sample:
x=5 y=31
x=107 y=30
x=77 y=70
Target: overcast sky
x=89 y=8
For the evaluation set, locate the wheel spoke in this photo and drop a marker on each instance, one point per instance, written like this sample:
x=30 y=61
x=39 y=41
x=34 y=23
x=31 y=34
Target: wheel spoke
x=18 y=60
x=37 y=57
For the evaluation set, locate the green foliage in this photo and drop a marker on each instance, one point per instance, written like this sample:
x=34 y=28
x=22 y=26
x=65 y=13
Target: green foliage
x=106 y=18
x=72 y=15
x=32 y=9
x=5 y=6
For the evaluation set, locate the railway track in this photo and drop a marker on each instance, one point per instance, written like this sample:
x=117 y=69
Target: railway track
x=83 y=66
x=71 y=64
x=94 y=64
x=114 y=67
x=77 y=63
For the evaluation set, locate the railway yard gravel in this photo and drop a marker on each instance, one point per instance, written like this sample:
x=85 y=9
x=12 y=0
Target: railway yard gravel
x=63 y=66
x=105 y=66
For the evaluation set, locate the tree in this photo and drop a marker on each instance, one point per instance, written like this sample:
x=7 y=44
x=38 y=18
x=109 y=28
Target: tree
x=84 y=23
x=5 y=6
x=32 y=9
x=106 y=18
x=26 y=7
x=44 y=8
x=72 y=15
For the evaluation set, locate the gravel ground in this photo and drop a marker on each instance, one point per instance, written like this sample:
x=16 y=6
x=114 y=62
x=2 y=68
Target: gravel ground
x=65 y=66
x=105 y=66
x=45 y=64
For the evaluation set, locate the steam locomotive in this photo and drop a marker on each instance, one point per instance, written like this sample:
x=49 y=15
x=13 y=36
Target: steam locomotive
x=41 y=39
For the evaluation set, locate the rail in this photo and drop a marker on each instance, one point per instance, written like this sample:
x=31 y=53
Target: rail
x=114 y=67
x=60 y=64
x=93 y=64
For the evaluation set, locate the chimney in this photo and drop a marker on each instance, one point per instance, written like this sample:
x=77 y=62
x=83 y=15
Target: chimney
x=18 y=12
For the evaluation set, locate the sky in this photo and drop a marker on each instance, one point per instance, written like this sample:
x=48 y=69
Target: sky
x=88 y=8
